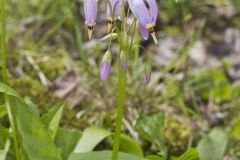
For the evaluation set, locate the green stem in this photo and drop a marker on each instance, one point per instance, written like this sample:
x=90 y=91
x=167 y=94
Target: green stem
x=4 y=62
x=120 y=108
x=5 y=77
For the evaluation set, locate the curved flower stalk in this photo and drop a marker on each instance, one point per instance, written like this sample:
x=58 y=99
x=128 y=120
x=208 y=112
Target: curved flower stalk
x=146 y=11
x=90 y=11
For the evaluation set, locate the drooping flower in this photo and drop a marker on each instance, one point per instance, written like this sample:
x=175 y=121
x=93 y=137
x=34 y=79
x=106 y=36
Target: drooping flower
x=148 y=71
x=146 y=12
x=106 y=65
x=113 y=12
x=90 y=11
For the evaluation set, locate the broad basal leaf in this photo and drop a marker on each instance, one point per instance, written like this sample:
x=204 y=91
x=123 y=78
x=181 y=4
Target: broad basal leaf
x=3 y=111
x=8 y=90
x=90 y=139
x=213 y=146
x=52 y=118
x=33 y=139
x=4 y=135
x=129 y=145
x=103 y=155
x=151 y=128
x=4 y=152
x=93 y=136
x=154 y=157
x=190 y=154
x=66 y=141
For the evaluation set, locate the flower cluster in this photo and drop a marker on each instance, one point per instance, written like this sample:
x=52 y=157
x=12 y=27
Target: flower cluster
x=145 y=11
x=145 y=14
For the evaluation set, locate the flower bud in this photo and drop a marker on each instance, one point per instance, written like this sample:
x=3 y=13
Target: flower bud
x=106 y=65
x=148 y=71
x=123 y=58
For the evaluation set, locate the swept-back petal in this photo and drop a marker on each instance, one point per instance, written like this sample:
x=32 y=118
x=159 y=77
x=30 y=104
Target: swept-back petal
x=153 y=9
x=90 y=11
x=116 y=7
x=140 y=11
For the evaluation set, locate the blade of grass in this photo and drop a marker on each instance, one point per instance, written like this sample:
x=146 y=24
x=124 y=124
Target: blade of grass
x=5 y=77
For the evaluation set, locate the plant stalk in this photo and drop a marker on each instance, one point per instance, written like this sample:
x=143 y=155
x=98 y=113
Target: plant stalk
x=120 y=108
x=5 y=77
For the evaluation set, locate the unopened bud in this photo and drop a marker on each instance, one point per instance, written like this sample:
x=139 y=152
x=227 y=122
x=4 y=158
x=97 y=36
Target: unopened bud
x=106 y=65
x=148 y=71
x=123 y=58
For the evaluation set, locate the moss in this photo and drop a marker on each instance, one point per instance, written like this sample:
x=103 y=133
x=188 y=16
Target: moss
x=177 y=135
x=52 y=65
x=53 y=68
x=28 y=87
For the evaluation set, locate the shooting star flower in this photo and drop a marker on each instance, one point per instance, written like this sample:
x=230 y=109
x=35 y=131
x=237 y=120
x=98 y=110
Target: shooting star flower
x=146 y=11
x=90 y=11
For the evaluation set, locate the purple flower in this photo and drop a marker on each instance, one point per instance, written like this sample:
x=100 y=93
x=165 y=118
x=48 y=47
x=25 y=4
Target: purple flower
x=116 y=7
x=146 y=11
x=90 y=11
x=106 y=65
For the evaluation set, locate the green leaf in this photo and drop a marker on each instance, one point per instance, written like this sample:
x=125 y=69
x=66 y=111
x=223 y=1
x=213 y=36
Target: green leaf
x=213 y=146
x=52 y=118
x=33 y=138
x=8 y=90
x=129 y=145
x=213 y=82
x=4 y=134
x=154 y=157
x=4 y=152
x=151 y=128
x=66 y=141
x=237 y=4
x=90 y=139
x=103 y=155
x=32 y=106
x=235 y=129
x=3 y=111
x=190 y=154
